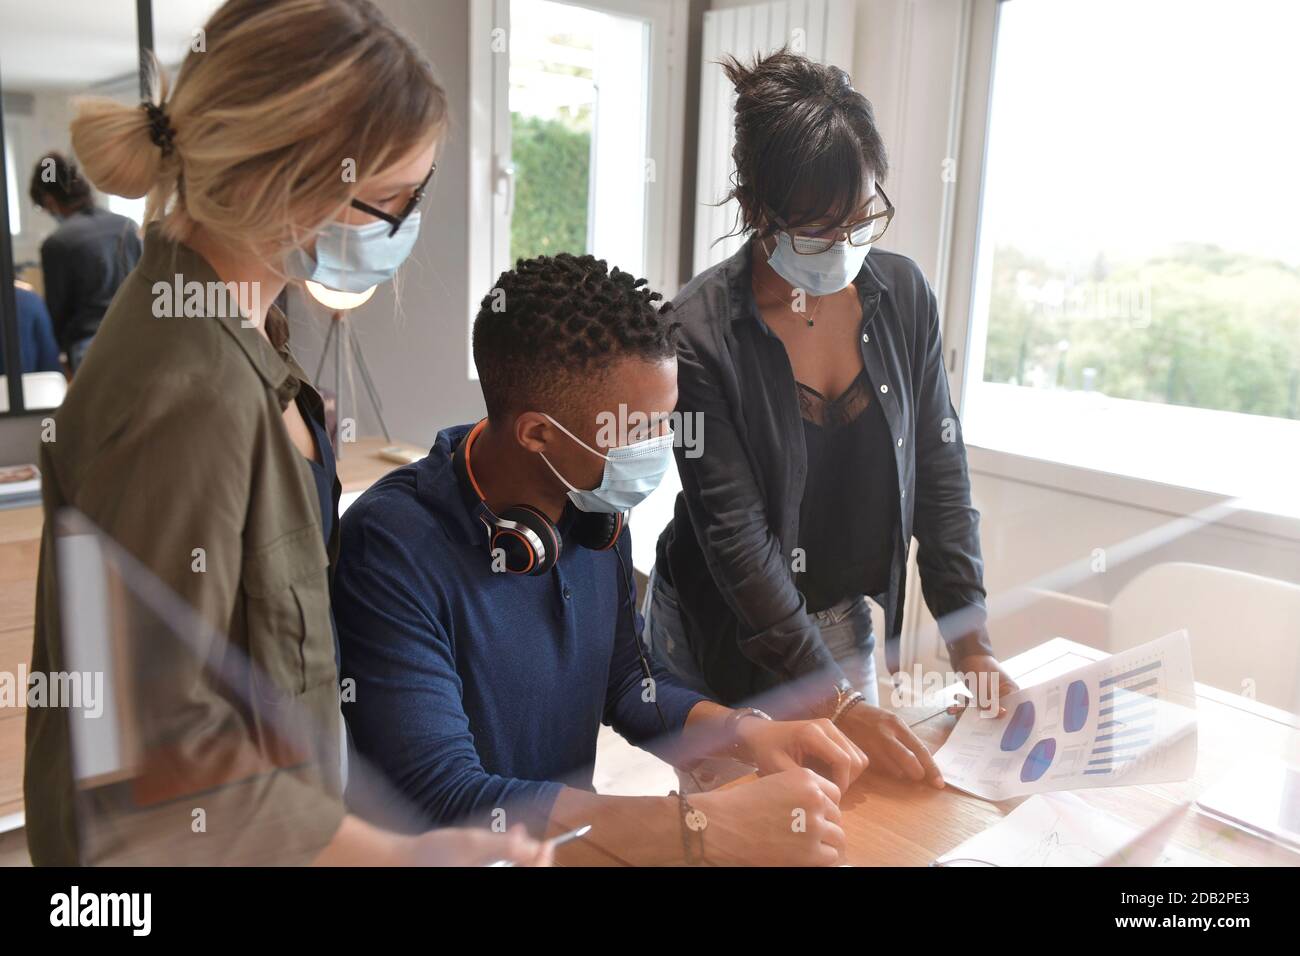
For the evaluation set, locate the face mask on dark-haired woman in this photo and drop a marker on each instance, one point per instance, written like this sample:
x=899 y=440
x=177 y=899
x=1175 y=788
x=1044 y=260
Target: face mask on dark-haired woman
x=818 y=273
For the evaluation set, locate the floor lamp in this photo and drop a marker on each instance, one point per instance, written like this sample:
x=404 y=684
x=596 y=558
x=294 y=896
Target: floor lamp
x=340 y=304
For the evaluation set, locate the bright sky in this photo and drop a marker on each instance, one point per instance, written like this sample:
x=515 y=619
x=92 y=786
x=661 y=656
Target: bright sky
x=1130 y=124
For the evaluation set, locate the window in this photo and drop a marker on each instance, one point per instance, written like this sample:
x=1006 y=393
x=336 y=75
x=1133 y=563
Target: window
x=571 y=144
x=579 y=105
x=1137 y=292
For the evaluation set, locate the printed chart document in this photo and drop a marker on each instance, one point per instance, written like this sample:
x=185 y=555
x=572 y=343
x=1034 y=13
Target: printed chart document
x=1060 y=829
x=1128 y=719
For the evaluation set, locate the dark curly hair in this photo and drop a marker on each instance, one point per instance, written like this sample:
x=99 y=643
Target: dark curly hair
x=555 y=319
x=805 y=141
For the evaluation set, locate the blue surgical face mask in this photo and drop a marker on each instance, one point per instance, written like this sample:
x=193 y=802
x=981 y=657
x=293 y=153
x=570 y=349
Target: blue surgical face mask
x=352 y=258
x=632 y=472
x=821 y=273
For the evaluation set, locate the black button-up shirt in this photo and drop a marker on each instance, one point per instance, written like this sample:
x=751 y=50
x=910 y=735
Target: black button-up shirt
x=729 y=551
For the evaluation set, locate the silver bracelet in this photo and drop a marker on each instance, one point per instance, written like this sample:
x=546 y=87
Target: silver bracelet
x=853 y=698
x=733 y=719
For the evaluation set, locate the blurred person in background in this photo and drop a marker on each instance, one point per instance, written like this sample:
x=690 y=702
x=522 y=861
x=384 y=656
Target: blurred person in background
x=87 y=257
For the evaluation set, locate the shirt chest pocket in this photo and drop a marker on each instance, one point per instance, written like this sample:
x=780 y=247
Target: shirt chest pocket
x=287 y=611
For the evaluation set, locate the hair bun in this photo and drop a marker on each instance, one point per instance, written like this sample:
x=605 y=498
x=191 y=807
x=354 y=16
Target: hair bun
x=116 y=147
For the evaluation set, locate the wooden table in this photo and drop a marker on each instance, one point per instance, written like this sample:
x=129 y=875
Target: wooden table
x=20 y=544
x=890 y=823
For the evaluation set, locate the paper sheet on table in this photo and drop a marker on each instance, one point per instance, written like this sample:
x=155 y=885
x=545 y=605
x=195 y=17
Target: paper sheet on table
x=1128 y=719
x=1060 y=829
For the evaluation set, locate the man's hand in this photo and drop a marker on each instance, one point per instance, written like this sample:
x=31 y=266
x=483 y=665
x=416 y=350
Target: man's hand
x=776 y=745
x=987 y=681
x=791 y=818
x=890 y=744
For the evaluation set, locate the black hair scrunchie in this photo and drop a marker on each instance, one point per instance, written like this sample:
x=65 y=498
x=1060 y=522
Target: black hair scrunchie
x=160 y=129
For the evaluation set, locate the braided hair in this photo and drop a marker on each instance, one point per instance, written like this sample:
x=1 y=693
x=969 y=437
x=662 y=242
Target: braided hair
x=553 y=321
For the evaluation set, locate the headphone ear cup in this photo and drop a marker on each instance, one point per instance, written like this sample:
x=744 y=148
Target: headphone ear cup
x=598 y=531
x=529 y=540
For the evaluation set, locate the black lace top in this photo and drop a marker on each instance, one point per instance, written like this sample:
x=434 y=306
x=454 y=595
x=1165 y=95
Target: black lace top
x=848 y=511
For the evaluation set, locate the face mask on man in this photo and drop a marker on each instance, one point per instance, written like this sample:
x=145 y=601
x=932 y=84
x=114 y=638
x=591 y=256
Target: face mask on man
x=632 y=473
x=353 y=257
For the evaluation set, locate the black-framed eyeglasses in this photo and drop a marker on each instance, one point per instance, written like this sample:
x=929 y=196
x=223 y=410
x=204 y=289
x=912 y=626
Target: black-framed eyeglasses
x=396 y=220
x=861 y=233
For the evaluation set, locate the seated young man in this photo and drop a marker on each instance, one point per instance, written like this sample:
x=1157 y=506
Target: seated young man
x=484 y=603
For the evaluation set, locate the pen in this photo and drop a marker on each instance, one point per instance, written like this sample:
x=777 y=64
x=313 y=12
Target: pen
x=560 y=840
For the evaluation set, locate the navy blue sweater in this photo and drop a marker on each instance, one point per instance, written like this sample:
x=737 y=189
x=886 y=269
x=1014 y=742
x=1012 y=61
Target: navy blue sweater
x=476 y=689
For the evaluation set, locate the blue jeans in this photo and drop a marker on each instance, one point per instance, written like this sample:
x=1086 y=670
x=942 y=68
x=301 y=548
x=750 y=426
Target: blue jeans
x=846 y=631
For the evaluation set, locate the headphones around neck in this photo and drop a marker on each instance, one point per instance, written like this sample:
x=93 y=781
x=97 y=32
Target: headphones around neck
x=526 y=537
x=531 y=543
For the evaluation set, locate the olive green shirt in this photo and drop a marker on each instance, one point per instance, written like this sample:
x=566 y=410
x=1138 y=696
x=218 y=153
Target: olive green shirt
x=171 y=439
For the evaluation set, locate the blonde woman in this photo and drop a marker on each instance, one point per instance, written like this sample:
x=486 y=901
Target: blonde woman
x=297 y=146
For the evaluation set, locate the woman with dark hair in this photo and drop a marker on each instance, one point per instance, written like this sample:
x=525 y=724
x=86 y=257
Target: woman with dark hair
x=85 y=259
x=828 y=437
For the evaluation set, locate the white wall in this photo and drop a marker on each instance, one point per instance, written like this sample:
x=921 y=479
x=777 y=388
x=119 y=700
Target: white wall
x=415 y=334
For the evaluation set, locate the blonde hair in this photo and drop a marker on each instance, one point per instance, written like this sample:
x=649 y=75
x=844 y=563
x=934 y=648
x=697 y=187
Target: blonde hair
x=286 y=99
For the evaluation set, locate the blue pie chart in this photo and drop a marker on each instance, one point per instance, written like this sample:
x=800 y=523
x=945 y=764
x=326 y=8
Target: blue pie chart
x=1038 y=760
x=1076 y=706
x=1019 y=727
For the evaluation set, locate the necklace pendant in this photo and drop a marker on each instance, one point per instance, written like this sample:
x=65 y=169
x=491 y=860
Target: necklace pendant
x=810 y=323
